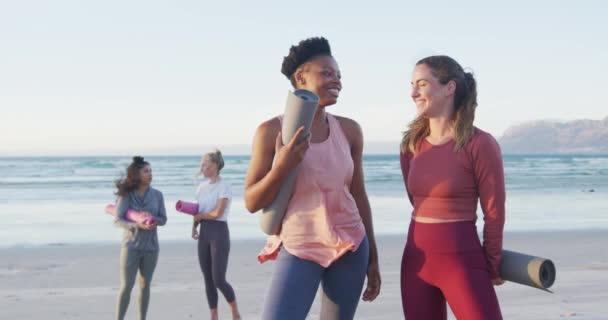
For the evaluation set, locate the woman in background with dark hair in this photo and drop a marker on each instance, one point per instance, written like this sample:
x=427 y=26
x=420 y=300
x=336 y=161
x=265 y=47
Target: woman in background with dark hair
x=140 y=240
x=214 y=197
x=327 y=234
x=449 y=165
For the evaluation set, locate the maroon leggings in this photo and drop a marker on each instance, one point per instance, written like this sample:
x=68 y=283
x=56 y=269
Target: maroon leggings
x=445 y=261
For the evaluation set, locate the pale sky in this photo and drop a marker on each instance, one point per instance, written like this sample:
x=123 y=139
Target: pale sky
x=124 y=77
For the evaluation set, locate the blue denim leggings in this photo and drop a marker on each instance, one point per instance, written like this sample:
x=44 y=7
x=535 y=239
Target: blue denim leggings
x=295 y=282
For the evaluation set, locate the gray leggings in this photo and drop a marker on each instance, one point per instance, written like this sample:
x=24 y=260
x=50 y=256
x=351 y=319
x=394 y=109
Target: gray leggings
x=132 y=260
x=295 y=282
x=213 y=250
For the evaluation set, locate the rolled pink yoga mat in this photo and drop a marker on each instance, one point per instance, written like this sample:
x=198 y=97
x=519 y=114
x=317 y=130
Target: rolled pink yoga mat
x=133 y=215
x=186 y=207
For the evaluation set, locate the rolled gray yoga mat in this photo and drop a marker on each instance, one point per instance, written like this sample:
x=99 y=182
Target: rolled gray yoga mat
x=299 y=110
x=527 y=270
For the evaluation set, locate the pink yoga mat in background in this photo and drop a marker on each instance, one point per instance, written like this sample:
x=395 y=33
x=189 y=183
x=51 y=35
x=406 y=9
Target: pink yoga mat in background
x=186 y=207
x=133 y=215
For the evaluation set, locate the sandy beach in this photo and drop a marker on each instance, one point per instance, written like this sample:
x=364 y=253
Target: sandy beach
x=59 y=281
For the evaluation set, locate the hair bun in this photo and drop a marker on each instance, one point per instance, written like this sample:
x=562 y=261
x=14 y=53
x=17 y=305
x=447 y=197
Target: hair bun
x=301 y=53
x=469 y=80
x=138 y=160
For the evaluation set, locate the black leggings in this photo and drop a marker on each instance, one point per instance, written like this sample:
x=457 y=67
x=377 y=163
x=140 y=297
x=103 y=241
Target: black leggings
x=213 y=250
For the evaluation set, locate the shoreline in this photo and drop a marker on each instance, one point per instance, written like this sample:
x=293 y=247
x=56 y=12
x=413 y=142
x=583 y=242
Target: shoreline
x=261 y=238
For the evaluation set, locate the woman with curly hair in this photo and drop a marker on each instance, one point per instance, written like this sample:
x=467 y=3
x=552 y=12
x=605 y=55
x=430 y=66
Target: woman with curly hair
x=140 y=241
x=326 y=234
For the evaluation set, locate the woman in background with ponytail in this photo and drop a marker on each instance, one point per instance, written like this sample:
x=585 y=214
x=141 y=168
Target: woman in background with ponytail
x=449 y=165
x=214 y=196
x=140 y=242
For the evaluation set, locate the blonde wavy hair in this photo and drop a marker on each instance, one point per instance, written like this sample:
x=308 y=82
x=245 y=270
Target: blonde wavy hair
x=215 y=157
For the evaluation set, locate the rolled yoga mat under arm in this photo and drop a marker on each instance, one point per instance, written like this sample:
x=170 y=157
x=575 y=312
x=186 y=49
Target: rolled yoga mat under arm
x=151 y=202
x=299 y=111
x=527 y=270
x=132 y=215
x=186 y=207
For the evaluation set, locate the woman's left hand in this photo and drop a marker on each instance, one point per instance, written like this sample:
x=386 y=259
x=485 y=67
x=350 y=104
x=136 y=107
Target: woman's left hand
x=373 y=282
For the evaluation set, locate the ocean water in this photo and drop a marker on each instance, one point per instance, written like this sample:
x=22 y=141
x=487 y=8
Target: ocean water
x=60 y=200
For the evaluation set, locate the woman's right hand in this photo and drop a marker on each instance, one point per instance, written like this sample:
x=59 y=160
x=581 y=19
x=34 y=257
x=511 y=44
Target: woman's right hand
x=287 y=157
x=145 y=226
x=194 y=233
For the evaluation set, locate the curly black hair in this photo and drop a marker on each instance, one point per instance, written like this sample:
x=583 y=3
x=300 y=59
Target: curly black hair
x=303 y=52
x=139 y=160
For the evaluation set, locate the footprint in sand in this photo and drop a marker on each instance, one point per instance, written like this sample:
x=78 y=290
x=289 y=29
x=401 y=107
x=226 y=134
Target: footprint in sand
x=600 y=267
x=568 y=314
x=13 y=297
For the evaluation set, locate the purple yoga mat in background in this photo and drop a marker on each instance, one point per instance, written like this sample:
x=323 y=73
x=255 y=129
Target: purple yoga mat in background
x=133 y=215
x=186 y=207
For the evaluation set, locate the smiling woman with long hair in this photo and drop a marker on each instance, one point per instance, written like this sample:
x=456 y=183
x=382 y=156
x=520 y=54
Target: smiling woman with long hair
x=449 y=165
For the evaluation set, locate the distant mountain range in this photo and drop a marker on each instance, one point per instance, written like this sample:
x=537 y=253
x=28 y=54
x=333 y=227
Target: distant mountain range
x=553 y=137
